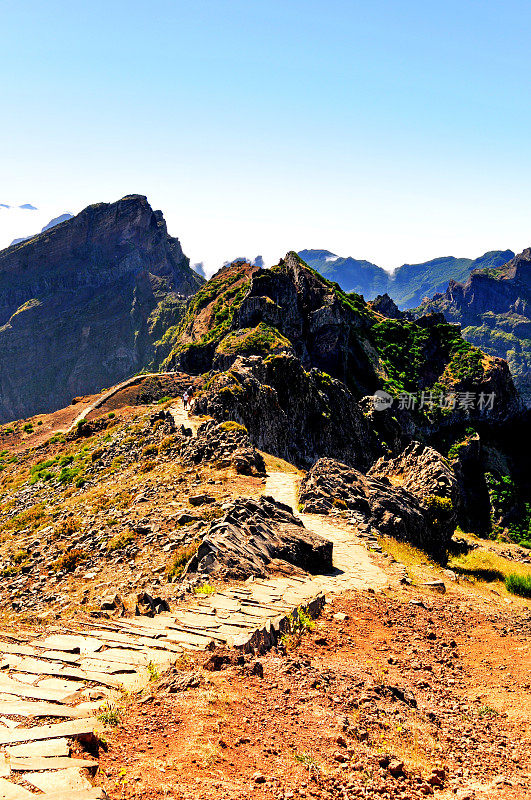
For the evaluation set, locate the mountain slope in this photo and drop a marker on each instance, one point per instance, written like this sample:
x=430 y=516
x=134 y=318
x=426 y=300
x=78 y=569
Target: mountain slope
x=409 y=284
x=51 y=224
x=493 y=308
x=82 y=304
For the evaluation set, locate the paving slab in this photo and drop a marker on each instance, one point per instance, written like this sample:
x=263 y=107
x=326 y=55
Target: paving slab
x=10 y=791
x=66 y=780
x=59 y=729
x=61 y=684
x=70 y=643
x=24 y=764
x=48 y=748
x=19 y=689
x=9 y=723
x=22 y=708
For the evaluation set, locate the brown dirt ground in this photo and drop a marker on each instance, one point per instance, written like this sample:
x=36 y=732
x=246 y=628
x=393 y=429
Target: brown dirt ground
x=434 y=682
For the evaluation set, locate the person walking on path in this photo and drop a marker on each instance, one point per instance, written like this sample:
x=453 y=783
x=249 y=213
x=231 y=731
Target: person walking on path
x=185 y=400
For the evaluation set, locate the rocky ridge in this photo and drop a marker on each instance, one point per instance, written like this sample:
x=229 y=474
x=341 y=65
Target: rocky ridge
x=493 y=308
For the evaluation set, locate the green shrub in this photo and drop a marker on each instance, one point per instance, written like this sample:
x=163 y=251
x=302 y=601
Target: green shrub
x=440 y=506
x=230 y=425
x=205 y=588
x=518 y=584
x=297 y=625
x=68 y=474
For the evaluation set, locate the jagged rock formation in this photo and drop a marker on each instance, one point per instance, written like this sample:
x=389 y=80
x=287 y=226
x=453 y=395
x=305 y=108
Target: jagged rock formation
x=254 y=537
x=493 y=308
x=409 y=284
x=291 y=357
x=292 y=413
x=386 y=306
x=245 y=310
x=83 y=305
x=420 y=470
x=409 y=498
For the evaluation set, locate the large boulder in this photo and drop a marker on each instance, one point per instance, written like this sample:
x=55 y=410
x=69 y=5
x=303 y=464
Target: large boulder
x=421 y=470
x=253 y=536
x=425 y=473
x=425 y=521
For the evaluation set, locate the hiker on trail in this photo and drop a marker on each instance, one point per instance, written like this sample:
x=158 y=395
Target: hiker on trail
x=185 y=400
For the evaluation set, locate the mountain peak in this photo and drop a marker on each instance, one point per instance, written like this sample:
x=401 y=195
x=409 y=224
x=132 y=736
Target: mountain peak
x=83 y=303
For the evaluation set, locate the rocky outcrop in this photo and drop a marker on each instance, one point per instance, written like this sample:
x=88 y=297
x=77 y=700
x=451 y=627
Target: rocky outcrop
x=296 y=360
x=254 y=537
x=425 y=520
x=385 y=306
x=420 y=470
x=83 y=304
x=226 y=444
x=493 y=308
x=291 y=413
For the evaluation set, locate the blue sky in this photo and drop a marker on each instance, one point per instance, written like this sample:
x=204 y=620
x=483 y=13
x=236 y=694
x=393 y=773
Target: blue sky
x=391 y=131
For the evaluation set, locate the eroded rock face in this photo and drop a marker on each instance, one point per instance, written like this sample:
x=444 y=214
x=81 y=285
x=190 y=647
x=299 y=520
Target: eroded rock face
x=406 y=514
x=421 y=470
x=253 y=536
x=387 y=307
x=291 y=413
x=82 y=304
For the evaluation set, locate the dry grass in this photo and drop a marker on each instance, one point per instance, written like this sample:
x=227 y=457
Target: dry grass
x=274 y=464
x=419 y=564
x=483 y=566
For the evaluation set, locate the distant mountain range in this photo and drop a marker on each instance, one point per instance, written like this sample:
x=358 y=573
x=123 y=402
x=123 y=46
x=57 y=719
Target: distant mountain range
x=24 y=206
x=51 y=224
x=410 y=284
x=493 y=308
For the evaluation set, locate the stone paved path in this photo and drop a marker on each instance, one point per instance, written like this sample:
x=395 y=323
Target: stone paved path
x=353 y=565
x=68 y=674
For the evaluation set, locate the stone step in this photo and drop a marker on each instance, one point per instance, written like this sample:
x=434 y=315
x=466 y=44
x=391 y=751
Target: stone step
x=58 y=729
